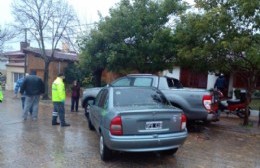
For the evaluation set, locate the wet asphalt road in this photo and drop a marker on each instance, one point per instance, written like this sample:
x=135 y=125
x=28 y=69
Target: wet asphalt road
x=33 y=144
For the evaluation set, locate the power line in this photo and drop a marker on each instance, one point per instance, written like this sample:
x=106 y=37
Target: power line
x=79 y=25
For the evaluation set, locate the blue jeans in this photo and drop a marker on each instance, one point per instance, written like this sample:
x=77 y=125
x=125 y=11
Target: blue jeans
x=31 y=102
x=59 y=107
x=23 y=102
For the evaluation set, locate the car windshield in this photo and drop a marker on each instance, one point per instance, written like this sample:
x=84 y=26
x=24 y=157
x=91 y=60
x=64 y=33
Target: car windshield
x=138 y=96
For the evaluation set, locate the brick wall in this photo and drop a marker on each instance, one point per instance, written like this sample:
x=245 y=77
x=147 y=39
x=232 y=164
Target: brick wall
x=36 y=64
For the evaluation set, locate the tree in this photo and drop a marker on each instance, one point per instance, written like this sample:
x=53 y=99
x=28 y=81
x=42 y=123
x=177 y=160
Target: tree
x=134 y=37
x=5 y=35
x=73 y=72
x=224 y=36
x=48 y=22
x=93 y=55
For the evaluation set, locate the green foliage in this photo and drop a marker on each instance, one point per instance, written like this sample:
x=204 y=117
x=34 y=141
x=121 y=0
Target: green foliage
x=73 y=72
x=257 y=94
x=255 y=104
x=87 y=81
x=224 y=37
x=133 y=37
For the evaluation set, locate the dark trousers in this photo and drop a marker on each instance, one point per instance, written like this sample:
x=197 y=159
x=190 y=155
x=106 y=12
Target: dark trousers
x=60 y=109
x=74 y=102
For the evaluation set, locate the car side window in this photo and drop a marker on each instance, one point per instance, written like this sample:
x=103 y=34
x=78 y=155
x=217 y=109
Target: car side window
x=98 y=98
x=122 y=82
x=102 y=101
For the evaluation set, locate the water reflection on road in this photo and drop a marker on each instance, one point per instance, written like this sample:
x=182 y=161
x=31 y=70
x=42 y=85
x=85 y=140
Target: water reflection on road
x=39 y=144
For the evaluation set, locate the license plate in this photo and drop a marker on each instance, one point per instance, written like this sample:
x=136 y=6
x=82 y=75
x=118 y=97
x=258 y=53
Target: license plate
x=153 y=125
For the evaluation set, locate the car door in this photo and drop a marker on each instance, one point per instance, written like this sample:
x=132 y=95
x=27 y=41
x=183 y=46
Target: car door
x=99 y=108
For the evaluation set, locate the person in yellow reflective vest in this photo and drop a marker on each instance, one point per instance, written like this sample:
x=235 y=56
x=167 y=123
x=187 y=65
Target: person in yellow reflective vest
x=1 y=94
x=58 y=99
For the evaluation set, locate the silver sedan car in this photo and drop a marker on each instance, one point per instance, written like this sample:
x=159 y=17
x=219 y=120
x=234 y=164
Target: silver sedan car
x=136 y=119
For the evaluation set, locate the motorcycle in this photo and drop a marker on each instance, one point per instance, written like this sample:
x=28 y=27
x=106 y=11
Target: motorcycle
x=234 y=106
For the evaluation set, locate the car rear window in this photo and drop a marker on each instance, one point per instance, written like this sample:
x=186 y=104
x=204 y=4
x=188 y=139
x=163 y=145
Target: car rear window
x=133 y=81
x=143 y=82
x=138 y=96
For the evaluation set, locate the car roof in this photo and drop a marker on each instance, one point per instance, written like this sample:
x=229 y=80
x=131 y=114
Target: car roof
x=140 y=75
x=133 y=75
x=131 y=87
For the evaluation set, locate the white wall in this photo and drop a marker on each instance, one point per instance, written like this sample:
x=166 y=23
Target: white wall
x=3 y=62
x=211 y=80
x=230 y=87
x=9 y=76
x=175 y=72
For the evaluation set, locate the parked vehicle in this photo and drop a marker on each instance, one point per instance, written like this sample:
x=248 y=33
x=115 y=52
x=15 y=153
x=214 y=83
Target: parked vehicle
x=234 y=106
x=197 y=104
x=136 y=119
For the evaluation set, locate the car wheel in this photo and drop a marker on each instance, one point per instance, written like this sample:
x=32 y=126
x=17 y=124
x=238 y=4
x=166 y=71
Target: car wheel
x=105 y=152
x=90 y=125
x=171 y=151
x=87 y=111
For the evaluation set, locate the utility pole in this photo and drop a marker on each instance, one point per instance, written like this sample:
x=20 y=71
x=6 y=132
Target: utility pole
x=25 y=37
x=26 y=45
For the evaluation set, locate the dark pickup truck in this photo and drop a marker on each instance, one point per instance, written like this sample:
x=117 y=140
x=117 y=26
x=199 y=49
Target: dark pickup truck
x=197 y=104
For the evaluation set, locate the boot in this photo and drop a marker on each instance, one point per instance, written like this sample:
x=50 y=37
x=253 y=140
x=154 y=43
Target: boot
x=54 y=120
x=65 y=125
x=57 y=123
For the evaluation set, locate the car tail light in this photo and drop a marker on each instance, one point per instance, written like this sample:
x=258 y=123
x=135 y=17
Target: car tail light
x=116 y=126
x=183 y=121
x=207 y=101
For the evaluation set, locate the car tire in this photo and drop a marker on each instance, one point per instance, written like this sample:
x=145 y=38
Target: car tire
x=105 y=152
x=87 y=111
x=90 y=125
x=171 y=151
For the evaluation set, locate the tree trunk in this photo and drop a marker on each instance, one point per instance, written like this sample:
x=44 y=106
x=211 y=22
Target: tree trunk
x=46 y=81
x=97 y=77
x=248 y=100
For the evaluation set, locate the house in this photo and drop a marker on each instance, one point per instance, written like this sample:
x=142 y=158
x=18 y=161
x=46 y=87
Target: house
x=15 y=66
x=3 y=62
x=207 y=80
x=35 y=64
x=28 y=60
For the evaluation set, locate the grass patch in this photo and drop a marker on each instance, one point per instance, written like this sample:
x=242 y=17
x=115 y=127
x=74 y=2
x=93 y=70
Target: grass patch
x=250 y=125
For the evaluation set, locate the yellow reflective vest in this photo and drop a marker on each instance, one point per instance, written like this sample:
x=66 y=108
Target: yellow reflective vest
x=58 y=90
x=1 y=93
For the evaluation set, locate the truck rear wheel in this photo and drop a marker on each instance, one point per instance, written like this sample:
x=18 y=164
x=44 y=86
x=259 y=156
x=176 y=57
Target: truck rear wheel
x=87 y=106
x=87 y=110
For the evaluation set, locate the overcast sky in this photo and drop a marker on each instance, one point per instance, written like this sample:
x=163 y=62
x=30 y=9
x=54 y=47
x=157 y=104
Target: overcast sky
x=87 y=11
